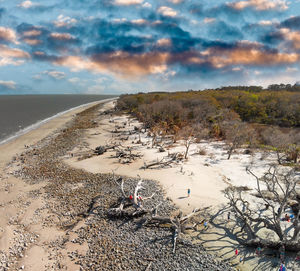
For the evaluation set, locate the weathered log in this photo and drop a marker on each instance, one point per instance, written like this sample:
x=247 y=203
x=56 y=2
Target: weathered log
x=161 y=163
x=102 y=149
x=150 y=218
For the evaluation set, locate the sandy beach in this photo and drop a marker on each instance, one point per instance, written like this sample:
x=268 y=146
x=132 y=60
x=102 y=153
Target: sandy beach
x=206 y=175
x=42 y=219
x=17 y=209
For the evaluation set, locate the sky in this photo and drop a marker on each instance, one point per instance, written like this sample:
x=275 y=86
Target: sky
x=129 y=46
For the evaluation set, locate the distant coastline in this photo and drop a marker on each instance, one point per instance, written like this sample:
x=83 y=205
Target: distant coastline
x=12 y=127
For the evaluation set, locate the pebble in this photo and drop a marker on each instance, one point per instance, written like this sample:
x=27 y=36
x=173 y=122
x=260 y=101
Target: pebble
x=113 y=244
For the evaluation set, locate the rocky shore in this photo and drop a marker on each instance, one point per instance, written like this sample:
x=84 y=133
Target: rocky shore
x=74 y=206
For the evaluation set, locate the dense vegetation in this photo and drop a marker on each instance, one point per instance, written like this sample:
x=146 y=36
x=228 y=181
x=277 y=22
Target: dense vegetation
x=237 y=114
x=280 y=108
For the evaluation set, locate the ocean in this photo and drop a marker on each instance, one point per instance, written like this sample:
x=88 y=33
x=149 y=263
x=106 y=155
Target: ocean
x=20 y=113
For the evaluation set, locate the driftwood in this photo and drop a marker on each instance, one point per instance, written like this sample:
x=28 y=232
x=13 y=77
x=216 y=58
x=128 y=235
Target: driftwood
x=102 y=149
x=134 y=206
x=282 y=186
x=166 y=161
x=127 y=200
x=177 y=224
x=161 y=163
x=125 y=155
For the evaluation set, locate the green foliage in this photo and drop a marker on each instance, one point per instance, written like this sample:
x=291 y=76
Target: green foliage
x=211 y=107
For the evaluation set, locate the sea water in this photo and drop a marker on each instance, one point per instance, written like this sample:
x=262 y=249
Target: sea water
x=21 y=113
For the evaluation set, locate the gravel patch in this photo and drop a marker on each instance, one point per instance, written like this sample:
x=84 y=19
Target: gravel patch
x=77 y=202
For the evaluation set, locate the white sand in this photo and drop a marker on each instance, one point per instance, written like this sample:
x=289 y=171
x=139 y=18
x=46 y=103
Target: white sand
x=206 y=175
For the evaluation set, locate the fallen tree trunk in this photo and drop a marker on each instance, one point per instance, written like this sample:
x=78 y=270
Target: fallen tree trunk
x=102 y=149
x=126 y=155
x=131 y=206
x=172 y=158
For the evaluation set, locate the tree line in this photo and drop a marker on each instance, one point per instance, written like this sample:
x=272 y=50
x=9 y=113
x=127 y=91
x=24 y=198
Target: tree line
x=239 y=116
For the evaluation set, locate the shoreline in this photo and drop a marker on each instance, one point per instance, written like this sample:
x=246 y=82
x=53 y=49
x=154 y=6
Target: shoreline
x=39 y=123
x=57 y=208
x=36 y=132
x=54 y=212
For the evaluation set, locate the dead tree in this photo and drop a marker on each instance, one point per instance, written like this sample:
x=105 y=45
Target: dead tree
x=177 y=224
x=188 y=136
x=127 y=200
x=286 y=145
x=165 y=161
x=236 y=133
x=125 y=155
x=280 y=187
x=133 y=205
x=155 y=130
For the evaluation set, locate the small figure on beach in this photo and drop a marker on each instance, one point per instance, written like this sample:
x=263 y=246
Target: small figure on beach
x=241 y=259
x=205 y=224
x=244 y=208
x=189 y=192
x=258 y=251
x=282 y=267
x=131 y=197
x=228 y=216
x=140 y=201
x=282 y=253
x=287 y=218
x=236 y=252
x=278 y=210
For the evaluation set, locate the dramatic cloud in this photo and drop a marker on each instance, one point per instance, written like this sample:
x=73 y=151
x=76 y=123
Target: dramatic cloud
x=127 y=2
x=209 y=20
x=164 y=42
x=74 y=80
x=147 y=5
x=175 y=1
x=6 y=51
x=32 y=33
x=288 y=36
x=241 y=54
x=260 y=5
x=53 y=74
x=64 y=21
x=7 y=85
x=32 y=42
x=7 y=35
x=33 y=6
x=56 y=74
x=146 y=43
x=27 y=4
x=62 y=36
x=119 y=63
x=249 y=56
x=167 y=11
x=12 y=56
x=266 y=23
x=292 y=23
